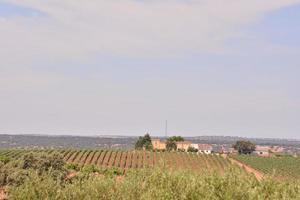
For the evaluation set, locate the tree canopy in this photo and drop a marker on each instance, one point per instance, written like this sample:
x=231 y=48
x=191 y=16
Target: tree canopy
x=244 y=147
x=192 y=149
x=171 y=142
x=144 y=143
x=176 y=139
x=171 y=145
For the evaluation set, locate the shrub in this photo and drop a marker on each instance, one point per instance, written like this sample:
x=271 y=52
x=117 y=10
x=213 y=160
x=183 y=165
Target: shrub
x=4 y=159
x=72 y=166
x=16 y=172
x=89 y=169
x=159 y=184
x=192 y=149
x=43 y=162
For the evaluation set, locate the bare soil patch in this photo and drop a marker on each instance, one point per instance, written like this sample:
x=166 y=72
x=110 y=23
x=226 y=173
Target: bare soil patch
x=3 y=194
x=71 y=175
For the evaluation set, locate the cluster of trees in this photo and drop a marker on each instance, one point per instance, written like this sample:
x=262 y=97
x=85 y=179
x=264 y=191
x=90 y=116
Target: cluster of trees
x=171 y=142
x=192 y=149
x=244 y=147
x=144 y=143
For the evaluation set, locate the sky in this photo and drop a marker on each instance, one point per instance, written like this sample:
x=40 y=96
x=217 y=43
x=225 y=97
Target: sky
x=124 y=67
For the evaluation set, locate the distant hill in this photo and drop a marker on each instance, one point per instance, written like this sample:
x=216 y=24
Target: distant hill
x=118 y=142
x=233 y=139
x=78 y=142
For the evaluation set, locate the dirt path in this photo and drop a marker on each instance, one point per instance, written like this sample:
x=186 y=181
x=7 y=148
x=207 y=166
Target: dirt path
x=259 y=175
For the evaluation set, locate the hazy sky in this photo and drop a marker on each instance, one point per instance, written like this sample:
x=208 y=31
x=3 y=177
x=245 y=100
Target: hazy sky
x=122 y=67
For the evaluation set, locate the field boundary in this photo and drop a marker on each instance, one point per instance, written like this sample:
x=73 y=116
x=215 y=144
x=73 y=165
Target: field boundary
x=258 y=175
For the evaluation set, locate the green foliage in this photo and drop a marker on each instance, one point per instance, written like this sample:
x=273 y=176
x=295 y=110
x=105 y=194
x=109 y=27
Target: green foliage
x=158 y=184
x=88 y=169
x=144 y=143
x=176 y=139
x=192 y=149
x=284 y=167
x=16 y=172
x=40 y=176
x=171 y=142
x=4 y=159
x=244 y=147
x=171 y=145
x=72 y=166
x=43 y=162
x=112 y=172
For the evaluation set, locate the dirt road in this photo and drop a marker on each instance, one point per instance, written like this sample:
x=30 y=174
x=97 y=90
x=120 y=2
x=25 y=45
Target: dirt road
x=259 y=175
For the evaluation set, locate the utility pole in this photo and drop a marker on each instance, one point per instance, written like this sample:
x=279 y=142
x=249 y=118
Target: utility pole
x=166 y=129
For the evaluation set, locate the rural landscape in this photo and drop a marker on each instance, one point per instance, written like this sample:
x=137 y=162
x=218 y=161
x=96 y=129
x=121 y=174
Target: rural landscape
x=150 y=100
x=153 y=169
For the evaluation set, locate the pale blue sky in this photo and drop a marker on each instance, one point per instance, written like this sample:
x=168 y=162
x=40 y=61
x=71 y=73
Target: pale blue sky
x=124 y=67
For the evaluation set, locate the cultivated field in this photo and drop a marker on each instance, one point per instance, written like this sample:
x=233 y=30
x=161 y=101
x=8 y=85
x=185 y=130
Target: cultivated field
x=279 y=167
x=46 y=175
x=126 y=160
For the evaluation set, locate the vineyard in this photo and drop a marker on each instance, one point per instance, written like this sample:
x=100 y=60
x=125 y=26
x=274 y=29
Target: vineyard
x=125 y=160
x=279 y=167
x=44 y=174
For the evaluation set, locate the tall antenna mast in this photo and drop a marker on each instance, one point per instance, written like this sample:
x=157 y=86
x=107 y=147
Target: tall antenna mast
x=166 y=129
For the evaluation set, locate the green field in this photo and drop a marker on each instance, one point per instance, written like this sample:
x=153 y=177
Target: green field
x=280 y=167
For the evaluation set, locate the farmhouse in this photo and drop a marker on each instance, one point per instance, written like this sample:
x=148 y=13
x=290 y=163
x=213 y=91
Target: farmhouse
x=183 y=145
x=263 y=151
x=205 y=148
x=161 y=145
x=195 y=146
x=277 y=149
x=158 y=144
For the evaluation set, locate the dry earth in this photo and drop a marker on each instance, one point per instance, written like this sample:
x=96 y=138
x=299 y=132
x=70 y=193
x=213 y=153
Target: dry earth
x=259 y=175
x=3 y=194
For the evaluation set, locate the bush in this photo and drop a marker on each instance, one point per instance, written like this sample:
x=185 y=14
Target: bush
x=89 y=169
x=72 y=166
x=15 y=173
x=4 y=159
x=192 y=149
x=43 y=162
